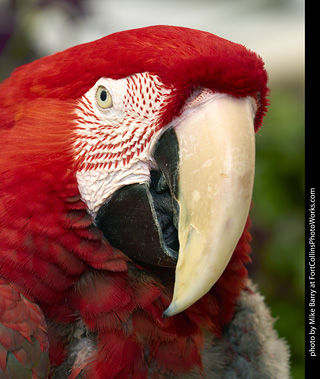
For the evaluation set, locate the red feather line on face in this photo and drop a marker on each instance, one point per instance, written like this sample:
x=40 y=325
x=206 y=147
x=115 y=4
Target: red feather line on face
x=109 y=143
x=114 y=145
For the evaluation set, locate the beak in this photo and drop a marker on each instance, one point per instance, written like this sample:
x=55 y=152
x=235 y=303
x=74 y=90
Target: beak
x=216 y=173
x=193 y=212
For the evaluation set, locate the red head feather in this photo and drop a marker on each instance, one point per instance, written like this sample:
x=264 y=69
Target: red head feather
x=181 y=57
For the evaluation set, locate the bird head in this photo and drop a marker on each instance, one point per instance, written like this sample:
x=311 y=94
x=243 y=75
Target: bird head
x=156 y=128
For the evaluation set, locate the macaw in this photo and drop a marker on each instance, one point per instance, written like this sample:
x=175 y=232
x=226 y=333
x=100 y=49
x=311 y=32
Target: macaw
x=126 y=176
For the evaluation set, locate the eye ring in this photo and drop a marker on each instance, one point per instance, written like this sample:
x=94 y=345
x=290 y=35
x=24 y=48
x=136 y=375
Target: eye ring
x=103 y=97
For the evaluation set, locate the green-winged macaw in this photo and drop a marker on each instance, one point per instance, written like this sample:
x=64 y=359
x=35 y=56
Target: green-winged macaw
x=126 y=175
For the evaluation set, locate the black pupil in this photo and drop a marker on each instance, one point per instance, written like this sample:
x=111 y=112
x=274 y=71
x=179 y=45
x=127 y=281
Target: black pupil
x=103 y=95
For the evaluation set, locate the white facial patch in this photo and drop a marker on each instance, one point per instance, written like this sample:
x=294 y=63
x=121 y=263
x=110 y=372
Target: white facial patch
x=113 y=145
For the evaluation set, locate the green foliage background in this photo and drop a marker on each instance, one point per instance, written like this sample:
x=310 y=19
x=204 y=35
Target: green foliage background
x=278 y=217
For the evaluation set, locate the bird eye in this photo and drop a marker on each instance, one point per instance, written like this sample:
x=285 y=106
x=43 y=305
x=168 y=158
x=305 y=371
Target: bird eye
x=103 y=97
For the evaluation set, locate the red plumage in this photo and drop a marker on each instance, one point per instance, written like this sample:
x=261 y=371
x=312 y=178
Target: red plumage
x=52 y=253
x=23 y=337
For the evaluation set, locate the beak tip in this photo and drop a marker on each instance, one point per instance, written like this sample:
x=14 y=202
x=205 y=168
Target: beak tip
x=170 y=311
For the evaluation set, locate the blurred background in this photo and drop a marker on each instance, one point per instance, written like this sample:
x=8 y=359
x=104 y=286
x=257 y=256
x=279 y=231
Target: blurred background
x=30 y=29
